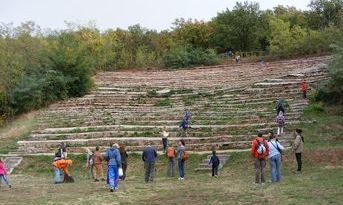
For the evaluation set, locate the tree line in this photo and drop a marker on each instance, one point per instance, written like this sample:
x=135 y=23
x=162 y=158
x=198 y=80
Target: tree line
x=38 y=66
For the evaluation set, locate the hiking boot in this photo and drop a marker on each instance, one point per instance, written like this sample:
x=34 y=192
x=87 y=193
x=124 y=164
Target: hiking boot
x=111 y=190
x=96 y=180
x=10 y=186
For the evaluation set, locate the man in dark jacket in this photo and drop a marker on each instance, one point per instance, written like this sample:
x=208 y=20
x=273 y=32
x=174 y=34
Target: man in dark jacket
x=149 y=157
x=215 y=163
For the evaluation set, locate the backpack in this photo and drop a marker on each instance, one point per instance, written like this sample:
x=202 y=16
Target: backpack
x=260 y=148
x=170 y=152
x=184 y=156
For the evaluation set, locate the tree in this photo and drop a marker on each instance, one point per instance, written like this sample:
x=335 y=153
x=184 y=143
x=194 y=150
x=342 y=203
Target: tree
x=239 y=29
x=324 y=13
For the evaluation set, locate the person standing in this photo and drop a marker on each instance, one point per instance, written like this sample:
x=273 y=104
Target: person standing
x=297 y=148
x=259 y=151
x=181 y=158
x=185 y=123
x=112 y=156
x=97 y=165
x=124 y=156
x=149 y=157
x=90 y=162
x=304 y=88
x=274 y=155
x=280 y=120
x=3 y=174
x=165 y=135
x=61 y=152
x=214 y=160
x=171 y=163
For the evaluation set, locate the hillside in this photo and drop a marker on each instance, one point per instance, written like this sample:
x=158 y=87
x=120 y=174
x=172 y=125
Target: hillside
x=228 y=105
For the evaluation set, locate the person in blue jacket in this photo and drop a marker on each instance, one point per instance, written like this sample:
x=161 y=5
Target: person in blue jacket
x=112 y=156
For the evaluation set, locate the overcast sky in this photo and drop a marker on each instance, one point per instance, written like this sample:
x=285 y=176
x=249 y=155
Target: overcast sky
x=153 y=14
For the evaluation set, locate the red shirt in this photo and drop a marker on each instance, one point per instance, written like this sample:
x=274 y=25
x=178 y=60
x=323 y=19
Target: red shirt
x=254 y=152
x=303 y=86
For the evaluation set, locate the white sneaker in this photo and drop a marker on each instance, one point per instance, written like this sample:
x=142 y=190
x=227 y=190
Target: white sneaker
x=179 y=178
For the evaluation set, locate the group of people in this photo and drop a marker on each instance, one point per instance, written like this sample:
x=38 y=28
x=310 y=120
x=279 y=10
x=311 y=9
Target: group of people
x=272 y=149
x=149 y=157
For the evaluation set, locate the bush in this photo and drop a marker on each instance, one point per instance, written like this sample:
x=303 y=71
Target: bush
x=332 y=92
x=181 y=57
x=314 y=108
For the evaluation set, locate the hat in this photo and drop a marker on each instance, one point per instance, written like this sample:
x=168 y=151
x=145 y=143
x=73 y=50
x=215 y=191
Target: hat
x=115 y=145
x=165 y=134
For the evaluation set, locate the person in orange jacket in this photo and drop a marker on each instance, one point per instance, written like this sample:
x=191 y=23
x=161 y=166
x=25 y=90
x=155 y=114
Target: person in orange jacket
x=304 y=87
x=259 y=151
x=61 y=164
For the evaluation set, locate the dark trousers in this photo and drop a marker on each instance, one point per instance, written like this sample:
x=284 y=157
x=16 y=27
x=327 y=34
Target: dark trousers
x=215 y=170
x=170 y=167
x=299 y=162
x=149 y=171
x=181 y=166
x=304 y=94
x=260 y=165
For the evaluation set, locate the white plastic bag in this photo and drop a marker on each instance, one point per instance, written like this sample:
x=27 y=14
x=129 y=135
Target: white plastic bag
x=120 y=172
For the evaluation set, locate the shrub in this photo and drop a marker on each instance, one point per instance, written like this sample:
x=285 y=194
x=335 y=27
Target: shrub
x=163 y=102
x=180 y=57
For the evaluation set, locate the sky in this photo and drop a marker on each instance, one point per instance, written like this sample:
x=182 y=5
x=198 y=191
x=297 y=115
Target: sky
x=152 y=14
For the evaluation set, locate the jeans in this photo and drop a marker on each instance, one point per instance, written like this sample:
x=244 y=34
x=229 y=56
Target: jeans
x=299 y=162
x=149 y=171
x=170 y=167
x=275 y=167
x=113 y=176
x=57 y=172
x=181 y=168
x=4 y=179
x=260 y=165
x=215 y=170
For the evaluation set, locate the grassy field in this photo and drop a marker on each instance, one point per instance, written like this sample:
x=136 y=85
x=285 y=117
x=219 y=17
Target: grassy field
x=17 y=130
x=320 y=183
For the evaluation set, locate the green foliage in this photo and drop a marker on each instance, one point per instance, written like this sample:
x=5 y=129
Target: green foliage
x=180 y=57
x=241 y=29
x=163 y=102
x=332 y=92
x=38 y=68
x=314 y=108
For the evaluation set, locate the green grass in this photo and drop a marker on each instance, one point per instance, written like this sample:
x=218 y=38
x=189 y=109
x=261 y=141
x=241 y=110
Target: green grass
x=17 y=130
x=163 y=102
x=320 y=182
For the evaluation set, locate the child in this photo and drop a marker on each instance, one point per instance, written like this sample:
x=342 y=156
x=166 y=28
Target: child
x=97 y=165
x=215 y=164
x=280 y=120
x=3 y=174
